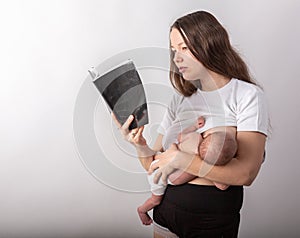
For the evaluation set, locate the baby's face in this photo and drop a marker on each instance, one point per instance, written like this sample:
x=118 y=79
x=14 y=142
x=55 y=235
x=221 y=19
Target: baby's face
x=204 y=146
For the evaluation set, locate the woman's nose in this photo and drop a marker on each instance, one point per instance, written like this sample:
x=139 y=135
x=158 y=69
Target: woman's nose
x=177 y=57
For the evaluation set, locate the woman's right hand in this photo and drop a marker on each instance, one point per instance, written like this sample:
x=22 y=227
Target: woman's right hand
x=134 y=136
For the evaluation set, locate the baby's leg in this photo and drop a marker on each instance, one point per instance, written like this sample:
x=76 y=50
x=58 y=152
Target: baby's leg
x=157 y=194
x=150 y=203
x=189 y=142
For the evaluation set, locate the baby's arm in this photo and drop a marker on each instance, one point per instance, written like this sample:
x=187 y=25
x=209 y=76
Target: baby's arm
x=180 y=177
x=223 y=148
x=188 y=141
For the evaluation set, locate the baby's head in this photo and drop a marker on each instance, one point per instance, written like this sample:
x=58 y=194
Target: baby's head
x=218 y=148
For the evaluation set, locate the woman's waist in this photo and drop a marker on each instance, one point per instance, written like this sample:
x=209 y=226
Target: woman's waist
x=205 y=198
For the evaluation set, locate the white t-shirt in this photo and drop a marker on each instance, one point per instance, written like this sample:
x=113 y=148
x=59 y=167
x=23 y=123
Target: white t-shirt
x=238 y=103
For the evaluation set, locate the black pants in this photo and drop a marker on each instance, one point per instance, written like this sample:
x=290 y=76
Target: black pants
x=196 y=211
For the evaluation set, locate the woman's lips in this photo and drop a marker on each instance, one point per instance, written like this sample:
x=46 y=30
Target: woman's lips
x=182 y=69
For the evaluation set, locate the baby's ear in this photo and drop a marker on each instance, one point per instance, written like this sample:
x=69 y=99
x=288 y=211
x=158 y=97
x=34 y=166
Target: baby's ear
x=200 y=122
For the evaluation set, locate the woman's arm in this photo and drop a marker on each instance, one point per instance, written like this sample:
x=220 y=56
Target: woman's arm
x=136 y=138
x=241 y=170
x=145 y=153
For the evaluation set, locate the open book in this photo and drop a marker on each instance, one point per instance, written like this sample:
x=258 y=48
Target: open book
x=123 y=91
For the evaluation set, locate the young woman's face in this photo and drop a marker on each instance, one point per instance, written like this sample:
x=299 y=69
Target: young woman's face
x=187 y=64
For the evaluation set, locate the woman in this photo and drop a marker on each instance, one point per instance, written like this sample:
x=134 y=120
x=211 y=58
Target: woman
x=204 y=66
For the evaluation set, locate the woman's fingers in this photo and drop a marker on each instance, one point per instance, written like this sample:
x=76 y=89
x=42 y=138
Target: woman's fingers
x=157 y=176
x=133 y=136
x=140 y=131
x=163 y=174
x=128 y=122
x=127 y=135
x=136 y=133
x=153 y=167
x=124 y=128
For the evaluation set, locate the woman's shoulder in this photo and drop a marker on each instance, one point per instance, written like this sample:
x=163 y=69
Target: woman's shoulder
x=245 y=90
x=243 y=85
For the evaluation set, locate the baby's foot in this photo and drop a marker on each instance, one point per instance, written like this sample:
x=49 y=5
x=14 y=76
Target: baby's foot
x=145 y=218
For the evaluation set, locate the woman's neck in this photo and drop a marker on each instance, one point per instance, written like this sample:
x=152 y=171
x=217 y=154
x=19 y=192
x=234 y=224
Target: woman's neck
x=213 y=81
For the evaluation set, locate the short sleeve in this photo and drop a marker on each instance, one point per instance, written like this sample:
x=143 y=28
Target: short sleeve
x=169 y=115
x=252 y=111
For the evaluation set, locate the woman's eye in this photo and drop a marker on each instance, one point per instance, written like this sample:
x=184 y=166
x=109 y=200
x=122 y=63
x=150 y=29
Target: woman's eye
x=184 y=48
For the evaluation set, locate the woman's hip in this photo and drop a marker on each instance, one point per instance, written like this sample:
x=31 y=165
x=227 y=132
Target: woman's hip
x=199 y=208
x=205 y=199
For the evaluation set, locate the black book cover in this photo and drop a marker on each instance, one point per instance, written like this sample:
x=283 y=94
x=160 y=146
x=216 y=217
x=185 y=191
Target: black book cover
x=123 y=91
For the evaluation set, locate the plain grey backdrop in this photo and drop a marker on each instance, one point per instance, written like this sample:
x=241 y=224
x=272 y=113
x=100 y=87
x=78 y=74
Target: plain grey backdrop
x=46 y=48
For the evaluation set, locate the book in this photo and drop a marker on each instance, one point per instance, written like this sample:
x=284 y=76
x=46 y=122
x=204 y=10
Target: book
x=122 y=90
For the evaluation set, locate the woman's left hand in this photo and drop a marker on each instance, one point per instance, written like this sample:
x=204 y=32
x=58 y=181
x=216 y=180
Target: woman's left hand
x=166 y=165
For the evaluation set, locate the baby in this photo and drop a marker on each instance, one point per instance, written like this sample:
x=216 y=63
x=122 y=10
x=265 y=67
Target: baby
x=217 y=146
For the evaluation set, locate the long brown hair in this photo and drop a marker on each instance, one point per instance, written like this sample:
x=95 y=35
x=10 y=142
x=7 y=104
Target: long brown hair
x=209 y=42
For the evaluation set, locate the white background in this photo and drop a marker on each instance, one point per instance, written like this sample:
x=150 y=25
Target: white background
x=46 y=48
